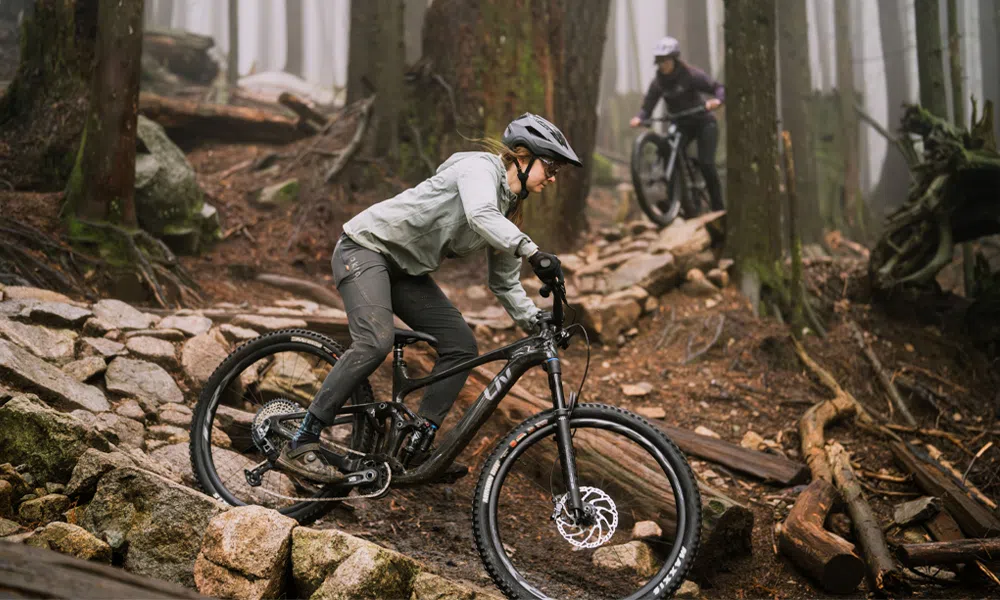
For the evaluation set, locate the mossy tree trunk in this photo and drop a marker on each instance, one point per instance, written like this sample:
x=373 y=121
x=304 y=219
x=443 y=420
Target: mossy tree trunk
x=796 y=94
x=101 y=188
x=377 y=55
x=42 y=112
x=930 y=57
x=754 y=217
x=500 y=58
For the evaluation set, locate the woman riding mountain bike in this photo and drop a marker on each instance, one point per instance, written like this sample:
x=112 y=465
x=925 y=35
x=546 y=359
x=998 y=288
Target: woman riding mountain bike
x=383 y=261
x=681 y=86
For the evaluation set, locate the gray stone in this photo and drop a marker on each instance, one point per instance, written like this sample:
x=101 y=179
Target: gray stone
x=142 y=379
x=689 y=590
x=235 y=335
x=170 y=335
x=646 y=529
x=634 y=556
x=93 y=464
x=168 y=433
x=170 y=415
x=428 y=586
x=130 y=409
x=72 y=540
x=47 y=441
x=157 y=524
x=656 y=273
x=122 y=316
x=43 y=510
x=291 y=376
x=161 y=352
x=8 y=527
x=50 y=344
x=99 y=346
x=202 y=354
x=371 y=571
x=608 y=316
x=245 y=554
x=85 y=369
x=117 y=429
x=262 y=323
x=169 y=203
x=191 y=325
x=175 y=459
x=55 y=314
x=279 y=194
x=19 y=485
x=55 y=488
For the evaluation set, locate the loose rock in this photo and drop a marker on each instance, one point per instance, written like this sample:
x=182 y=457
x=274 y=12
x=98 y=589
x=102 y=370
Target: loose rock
x=50 y=344
x=72 y=540
x=202 y=354
x=43 y=510
x=99 y=346
x=142 y=379
x=85 y=369
x=122 y=316
x=637 y=389
x=634 y=556
x=155 y=350
x=236 y=335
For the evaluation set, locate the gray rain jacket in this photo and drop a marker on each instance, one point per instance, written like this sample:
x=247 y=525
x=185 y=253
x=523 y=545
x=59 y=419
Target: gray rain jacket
x=458 y=211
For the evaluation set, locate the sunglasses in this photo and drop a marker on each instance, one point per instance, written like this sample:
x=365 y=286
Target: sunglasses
x=551 y=167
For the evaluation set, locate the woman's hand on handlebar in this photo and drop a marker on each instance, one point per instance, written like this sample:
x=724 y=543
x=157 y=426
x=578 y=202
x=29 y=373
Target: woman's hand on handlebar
x=712 y=104
x=635 y=122
x=546 y=266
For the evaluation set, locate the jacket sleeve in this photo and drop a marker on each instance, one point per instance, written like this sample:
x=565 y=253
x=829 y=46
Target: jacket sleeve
x=477 y=187
x=505 y=282
x=705 y=84
x=649 y=102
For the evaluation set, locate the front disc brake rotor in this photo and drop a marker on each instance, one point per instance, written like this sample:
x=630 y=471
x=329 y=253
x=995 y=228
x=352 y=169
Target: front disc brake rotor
x=603 y=517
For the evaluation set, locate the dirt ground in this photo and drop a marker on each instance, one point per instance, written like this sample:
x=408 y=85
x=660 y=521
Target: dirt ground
x=750 y=380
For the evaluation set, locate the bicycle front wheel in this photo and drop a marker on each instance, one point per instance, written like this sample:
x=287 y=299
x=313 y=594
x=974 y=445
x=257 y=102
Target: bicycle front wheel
x=654 y=193
x=642 y=527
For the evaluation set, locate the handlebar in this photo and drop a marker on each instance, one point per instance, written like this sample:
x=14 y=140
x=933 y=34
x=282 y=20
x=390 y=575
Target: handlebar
x=697 y=110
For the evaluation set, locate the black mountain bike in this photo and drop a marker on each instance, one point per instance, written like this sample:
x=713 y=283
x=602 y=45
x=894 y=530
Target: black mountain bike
x=666 y=177
x=555 y=506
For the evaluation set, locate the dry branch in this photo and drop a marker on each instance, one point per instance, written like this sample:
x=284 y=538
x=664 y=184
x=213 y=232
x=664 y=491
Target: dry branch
x=883 y=574
x=827 y=557
x=950 y=553
x=883 y=377
x=975 y=492
x=303 y=288
x=309 y=117
x=355 y=143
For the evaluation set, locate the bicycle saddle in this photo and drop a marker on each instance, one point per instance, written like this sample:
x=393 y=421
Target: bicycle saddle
x=406 y=337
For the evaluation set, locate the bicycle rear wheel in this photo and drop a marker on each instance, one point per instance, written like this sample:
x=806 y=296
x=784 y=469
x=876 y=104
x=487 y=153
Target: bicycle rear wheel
x=653 y=191
x=644 y=507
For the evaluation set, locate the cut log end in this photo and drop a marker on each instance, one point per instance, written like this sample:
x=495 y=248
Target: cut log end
x=842 y=574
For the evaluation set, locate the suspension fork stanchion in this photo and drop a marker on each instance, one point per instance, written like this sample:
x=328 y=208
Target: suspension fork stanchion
x=564 y=437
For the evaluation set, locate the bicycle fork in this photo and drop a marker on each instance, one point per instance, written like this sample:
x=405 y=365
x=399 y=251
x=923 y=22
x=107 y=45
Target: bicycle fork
x=564 y=439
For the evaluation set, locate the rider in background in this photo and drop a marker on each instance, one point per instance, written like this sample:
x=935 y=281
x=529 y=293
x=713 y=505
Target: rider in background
x=681 y=86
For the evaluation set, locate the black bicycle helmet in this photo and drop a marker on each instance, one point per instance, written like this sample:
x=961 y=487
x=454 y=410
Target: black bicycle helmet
x=543 y=139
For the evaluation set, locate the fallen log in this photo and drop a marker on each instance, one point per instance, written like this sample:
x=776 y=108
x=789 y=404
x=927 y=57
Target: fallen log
x=943 y=527
x=937 y=456
x=826 y=557
x=883 y=574
x=949 y=553
x=197 y=121
x=727 y=525
x=811 y=432
x=974 y=519
x=303 y=288
x=308 y=116
x=768 y=467
x=355 y=144
x=29 y=572
x=182 y=53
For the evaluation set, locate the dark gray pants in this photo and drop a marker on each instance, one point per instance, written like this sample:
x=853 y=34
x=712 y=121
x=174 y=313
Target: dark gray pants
x=372 y=289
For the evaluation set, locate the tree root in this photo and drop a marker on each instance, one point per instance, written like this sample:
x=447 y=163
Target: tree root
x=688 y=355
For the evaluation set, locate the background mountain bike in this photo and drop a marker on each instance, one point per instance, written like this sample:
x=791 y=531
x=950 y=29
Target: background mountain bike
x=584 y=474
x=666 y=178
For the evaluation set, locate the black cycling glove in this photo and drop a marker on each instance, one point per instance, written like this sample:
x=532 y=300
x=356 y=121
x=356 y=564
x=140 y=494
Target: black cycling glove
x=546 y=266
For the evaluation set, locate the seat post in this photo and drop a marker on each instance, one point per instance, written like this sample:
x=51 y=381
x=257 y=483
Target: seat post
x=399 y=373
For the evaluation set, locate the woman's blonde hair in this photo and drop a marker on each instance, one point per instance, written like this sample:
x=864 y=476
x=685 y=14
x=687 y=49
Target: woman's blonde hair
x=508 y=156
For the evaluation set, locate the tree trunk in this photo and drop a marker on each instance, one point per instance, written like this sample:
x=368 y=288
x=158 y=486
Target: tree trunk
x=101 y=187
x=930 y=57
x=377 y=57
x=293 y=38
x=633 y=41
x=164 y=13
x=846 y=214
x=894 y=179
x=752 y=148
x=796 y=94
x=697 y=50
x=414 y=12
x=233 y=59
x=44 y=108
x=493 y=61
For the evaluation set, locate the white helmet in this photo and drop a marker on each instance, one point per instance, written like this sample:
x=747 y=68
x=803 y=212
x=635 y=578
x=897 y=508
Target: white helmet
x=667 y=46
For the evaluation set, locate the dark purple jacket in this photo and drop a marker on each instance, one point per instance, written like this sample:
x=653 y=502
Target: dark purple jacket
x=681 y=90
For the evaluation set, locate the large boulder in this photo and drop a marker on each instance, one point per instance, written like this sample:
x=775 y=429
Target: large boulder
x=72 y=540
x=47 y=441
x=30 y=373
x=245 y=554
x=50 y=344
x=428 y=586
x=370 y=572
x=202 y=354
x=117 y=429
x=168 y=200
x=316 y=554
x=656 y=273
x=607 y=316
x=155 y=523
x=142 y=380
x=119 y=315
x=93 y=464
